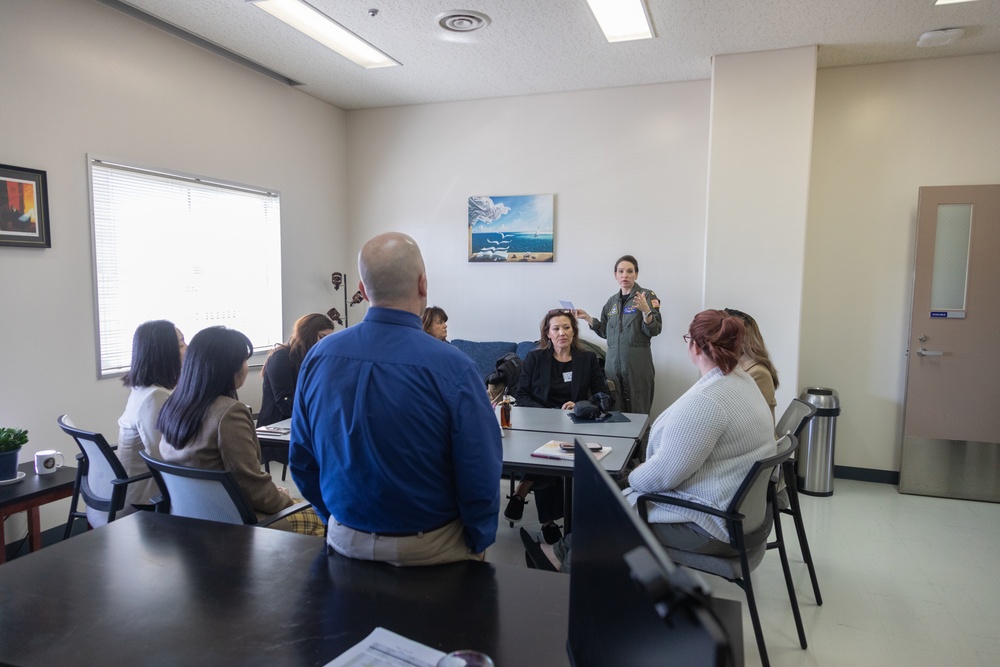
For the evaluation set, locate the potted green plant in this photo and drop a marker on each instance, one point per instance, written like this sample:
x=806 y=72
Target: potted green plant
x=11 y=441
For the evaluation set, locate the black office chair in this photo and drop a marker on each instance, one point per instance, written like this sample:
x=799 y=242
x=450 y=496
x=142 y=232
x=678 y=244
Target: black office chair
x=212 y=495
x=793 y=422
x=100 y=478
x=749 y=518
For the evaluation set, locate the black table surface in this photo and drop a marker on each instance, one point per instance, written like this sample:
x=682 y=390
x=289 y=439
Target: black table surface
x=34 y=484
x=161 y=590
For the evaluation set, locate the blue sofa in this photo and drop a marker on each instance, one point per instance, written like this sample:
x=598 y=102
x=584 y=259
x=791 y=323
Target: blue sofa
x=486 y=353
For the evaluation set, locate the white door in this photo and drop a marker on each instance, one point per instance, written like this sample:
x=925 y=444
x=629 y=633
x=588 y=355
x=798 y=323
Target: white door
x=951 y=425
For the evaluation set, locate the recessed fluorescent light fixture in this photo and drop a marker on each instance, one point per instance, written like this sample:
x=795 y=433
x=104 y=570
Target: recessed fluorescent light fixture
x=310 y=21
x=622 y=20
x=950 y=2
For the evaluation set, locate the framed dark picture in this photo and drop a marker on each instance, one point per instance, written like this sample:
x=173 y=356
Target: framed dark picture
x=24 y=207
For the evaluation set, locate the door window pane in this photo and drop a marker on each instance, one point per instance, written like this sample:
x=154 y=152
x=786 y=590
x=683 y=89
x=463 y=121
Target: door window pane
x=951 y=256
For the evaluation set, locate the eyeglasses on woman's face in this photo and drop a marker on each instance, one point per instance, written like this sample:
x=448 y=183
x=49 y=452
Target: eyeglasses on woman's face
x=687 y=339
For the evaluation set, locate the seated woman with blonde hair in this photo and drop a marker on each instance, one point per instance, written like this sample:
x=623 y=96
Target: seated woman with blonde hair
x=206 y=426
x=755 y=360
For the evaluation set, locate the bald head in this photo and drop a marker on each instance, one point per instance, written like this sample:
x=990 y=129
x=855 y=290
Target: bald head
x=392 y=273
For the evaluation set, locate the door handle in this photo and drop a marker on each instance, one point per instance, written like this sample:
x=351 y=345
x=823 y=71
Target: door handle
x=929 y=353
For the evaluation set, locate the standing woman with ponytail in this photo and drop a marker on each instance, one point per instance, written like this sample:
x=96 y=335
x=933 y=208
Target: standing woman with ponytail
x=704 y=444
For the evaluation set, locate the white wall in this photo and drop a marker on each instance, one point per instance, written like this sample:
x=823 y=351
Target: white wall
x=79 y=77
x=881 y=132
x=628 y=168
x=758 y=193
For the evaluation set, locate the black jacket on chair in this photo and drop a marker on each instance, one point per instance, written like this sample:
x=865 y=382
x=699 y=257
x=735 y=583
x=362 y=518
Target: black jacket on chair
x=534 y=384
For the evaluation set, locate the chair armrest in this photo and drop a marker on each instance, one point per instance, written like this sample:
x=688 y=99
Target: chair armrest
x=160 y=505
x=288 y=511
x=680 y=502
x=82 y=466
x=137 y=478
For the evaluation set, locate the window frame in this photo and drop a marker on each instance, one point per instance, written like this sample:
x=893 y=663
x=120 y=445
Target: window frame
x=261 y=350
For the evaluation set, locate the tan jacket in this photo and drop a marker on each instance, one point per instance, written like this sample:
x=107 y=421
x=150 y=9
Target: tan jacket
x=227 y=441
x=763 y=378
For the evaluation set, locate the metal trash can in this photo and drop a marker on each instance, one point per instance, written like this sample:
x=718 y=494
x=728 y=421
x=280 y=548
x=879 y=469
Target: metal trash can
x=814 y=460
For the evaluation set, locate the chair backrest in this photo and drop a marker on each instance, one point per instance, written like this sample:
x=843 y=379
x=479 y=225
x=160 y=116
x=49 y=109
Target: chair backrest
x=102 y=464
x=212 y=495
x=796 y=416
x=751 y=498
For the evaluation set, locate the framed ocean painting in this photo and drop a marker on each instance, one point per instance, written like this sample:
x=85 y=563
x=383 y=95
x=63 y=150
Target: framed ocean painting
x=518 y=228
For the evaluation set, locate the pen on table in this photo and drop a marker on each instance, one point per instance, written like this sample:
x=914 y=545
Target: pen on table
x=557 y=457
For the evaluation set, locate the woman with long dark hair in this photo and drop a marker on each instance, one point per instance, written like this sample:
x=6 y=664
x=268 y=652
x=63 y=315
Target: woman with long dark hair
x=157 y=351
x=205 y=426
x=281 y=368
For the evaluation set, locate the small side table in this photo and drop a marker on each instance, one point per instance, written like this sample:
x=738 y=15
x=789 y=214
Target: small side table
x=28 y=495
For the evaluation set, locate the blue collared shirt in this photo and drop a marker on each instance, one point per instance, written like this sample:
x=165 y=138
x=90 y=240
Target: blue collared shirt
x=393 y=432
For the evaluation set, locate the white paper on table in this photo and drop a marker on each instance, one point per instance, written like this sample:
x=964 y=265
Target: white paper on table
x=384 y=648
x=567 y=305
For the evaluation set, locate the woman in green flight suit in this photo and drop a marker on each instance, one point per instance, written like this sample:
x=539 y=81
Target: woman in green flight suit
x=628 y=321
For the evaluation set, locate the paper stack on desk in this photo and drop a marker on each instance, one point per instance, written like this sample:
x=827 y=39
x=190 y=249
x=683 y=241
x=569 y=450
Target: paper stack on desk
x=384 y=647
x=553 y=450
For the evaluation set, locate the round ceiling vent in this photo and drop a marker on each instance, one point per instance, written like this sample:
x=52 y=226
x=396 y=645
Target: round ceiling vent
x=463 y=21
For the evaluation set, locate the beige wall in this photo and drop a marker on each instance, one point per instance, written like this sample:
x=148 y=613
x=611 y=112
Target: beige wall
x=881 y=132
x=78 y=78
x=758 y=191
x=628 y=169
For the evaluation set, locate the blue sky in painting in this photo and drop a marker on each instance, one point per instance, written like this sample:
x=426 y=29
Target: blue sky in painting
x=519 y=213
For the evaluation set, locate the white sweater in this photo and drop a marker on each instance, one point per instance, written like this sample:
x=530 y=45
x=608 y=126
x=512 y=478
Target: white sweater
x=702 y=447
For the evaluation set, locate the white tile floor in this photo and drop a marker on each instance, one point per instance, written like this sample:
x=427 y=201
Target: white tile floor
x=906 y=580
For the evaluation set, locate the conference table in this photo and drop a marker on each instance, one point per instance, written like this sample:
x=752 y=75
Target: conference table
x=155 y=589
x=165 y=590
x=531 y=428
x=559 y=421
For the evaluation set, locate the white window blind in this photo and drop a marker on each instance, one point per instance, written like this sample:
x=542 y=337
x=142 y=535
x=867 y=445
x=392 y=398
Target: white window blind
x=185 y=249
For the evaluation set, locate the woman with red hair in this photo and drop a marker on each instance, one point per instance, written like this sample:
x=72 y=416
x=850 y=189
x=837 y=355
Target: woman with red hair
x=703 y=445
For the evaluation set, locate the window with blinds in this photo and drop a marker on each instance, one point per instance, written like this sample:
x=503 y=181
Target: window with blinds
x=187 y=249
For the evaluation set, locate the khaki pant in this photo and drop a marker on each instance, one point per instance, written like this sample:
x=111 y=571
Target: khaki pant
x=443 y=545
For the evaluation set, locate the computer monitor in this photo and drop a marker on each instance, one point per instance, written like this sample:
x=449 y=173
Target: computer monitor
x=628 y=603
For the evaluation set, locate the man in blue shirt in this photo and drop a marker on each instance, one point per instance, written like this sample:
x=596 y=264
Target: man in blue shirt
x=393 y=436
